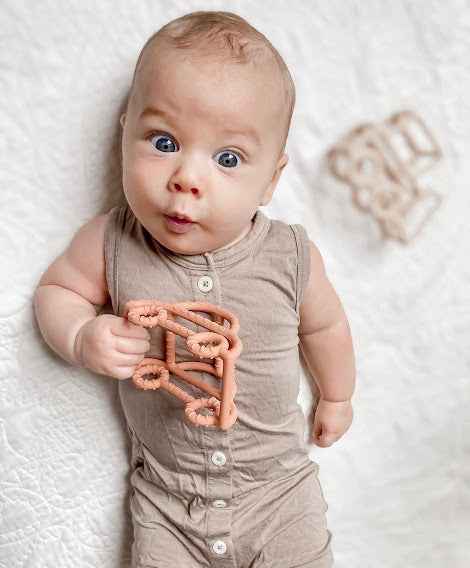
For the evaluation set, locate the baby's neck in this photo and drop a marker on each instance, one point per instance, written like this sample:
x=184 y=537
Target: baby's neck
x=238 y=239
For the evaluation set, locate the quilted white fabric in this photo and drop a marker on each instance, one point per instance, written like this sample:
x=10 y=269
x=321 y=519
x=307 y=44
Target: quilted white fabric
x=398 y=484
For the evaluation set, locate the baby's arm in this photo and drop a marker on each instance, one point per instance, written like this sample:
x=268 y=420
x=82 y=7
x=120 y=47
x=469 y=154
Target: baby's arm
x=71 y=293
x=326 y=344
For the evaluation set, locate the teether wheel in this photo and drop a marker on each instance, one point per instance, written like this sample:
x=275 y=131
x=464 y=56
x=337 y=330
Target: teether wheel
x=206 y=344
x=203 y=419
x=149 y=369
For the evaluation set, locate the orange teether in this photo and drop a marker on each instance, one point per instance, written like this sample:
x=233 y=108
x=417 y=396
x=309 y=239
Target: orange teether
x=219 y=343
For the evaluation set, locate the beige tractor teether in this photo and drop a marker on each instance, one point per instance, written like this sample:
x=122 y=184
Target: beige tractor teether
x=382 y=162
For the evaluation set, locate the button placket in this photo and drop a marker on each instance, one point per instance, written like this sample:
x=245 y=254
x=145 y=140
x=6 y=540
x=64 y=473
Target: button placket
x=219 y=492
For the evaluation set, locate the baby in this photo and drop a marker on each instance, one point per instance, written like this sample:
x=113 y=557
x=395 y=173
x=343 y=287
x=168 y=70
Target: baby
x=203 y=143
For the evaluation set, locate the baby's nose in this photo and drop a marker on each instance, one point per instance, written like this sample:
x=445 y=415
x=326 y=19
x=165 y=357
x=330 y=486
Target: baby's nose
x=178 y=187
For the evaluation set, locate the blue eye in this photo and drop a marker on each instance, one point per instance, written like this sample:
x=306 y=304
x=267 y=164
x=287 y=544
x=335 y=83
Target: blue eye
x=227 y=159
x=163 y=143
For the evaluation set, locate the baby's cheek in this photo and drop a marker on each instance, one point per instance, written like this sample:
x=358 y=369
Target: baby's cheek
x=140 y=178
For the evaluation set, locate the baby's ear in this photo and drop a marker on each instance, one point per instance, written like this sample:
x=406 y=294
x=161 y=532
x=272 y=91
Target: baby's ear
x=281 y=164
x=122 y=120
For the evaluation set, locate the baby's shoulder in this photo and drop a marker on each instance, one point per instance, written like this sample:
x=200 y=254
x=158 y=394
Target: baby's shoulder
x=81 y=267
x=90 y=236
x=86 y=250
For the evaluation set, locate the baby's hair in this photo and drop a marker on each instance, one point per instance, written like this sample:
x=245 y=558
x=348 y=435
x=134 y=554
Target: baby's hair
x=229 y=37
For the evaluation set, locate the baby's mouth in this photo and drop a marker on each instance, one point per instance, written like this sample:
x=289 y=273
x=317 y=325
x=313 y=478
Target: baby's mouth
x=179 y=223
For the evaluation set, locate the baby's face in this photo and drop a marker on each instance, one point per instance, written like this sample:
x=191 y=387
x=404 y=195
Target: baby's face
x=201 y=150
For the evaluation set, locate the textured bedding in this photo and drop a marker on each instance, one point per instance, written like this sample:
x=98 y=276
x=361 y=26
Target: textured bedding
x=398 y=483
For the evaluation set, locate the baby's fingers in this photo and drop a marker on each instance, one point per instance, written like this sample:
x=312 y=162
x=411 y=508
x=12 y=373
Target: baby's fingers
x=125 y=365
x=324 y=433
x=125 y=328
x=323 y=439
x=128 y=345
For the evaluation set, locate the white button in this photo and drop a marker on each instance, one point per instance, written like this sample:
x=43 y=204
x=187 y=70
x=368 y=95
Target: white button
x=205 y=284
x=218 y=458
x=219 y=547
x=219 y=503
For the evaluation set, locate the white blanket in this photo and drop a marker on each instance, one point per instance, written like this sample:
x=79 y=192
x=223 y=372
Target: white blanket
x=398 y=484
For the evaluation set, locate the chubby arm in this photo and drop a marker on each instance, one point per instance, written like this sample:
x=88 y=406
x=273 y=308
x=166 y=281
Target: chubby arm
x=69 y=296
x=325 y=341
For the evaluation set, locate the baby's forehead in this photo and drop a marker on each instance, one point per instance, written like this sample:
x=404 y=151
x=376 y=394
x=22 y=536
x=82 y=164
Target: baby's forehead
x=262 y=71
x=210 y=57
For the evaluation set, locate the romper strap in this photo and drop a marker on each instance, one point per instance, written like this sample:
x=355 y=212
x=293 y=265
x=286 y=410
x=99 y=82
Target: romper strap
x=303 y=261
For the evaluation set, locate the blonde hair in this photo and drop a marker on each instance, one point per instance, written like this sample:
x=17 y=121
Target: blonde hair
x=229 y=37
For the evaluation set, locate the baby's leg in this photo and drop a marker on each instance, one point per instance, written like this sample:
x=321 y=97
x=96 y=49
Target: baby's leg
x=306 y=539
x=283 y=525
x=158 y=543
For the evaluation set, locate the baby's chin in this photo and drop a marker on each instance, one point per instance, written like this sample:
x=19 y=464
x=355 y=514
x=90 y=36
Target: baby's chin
x=188 y=247
x=194 y=242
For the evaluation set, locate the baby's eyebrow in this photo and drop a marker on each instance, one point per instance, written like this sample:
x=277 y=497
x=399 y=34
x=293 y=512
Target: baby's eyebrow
x=246 y=133
x=151 y=111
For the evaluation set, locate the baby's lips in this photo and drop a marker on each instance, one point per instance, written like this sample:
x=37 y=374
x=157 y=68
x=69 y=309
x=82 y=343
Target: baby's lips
x=180 y=216
x=177 y=225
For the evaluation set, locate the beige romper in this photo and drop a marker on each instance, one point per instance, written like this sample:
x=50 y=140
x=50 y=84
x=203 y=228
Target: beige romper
x=247 y=497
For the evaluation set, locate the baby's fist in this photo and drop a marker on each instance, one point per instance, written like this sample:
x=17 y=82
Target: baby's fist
x=111 y=345
x=331 y=421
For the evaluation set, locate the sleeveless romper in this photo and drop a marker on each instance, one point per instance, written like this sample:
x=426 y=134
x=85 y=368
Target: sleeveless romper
x=247 y=497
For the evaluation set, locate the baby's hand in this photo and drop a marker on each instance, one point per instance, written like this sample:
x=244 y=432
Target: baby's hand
x=332 y=420
x=111 y=345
